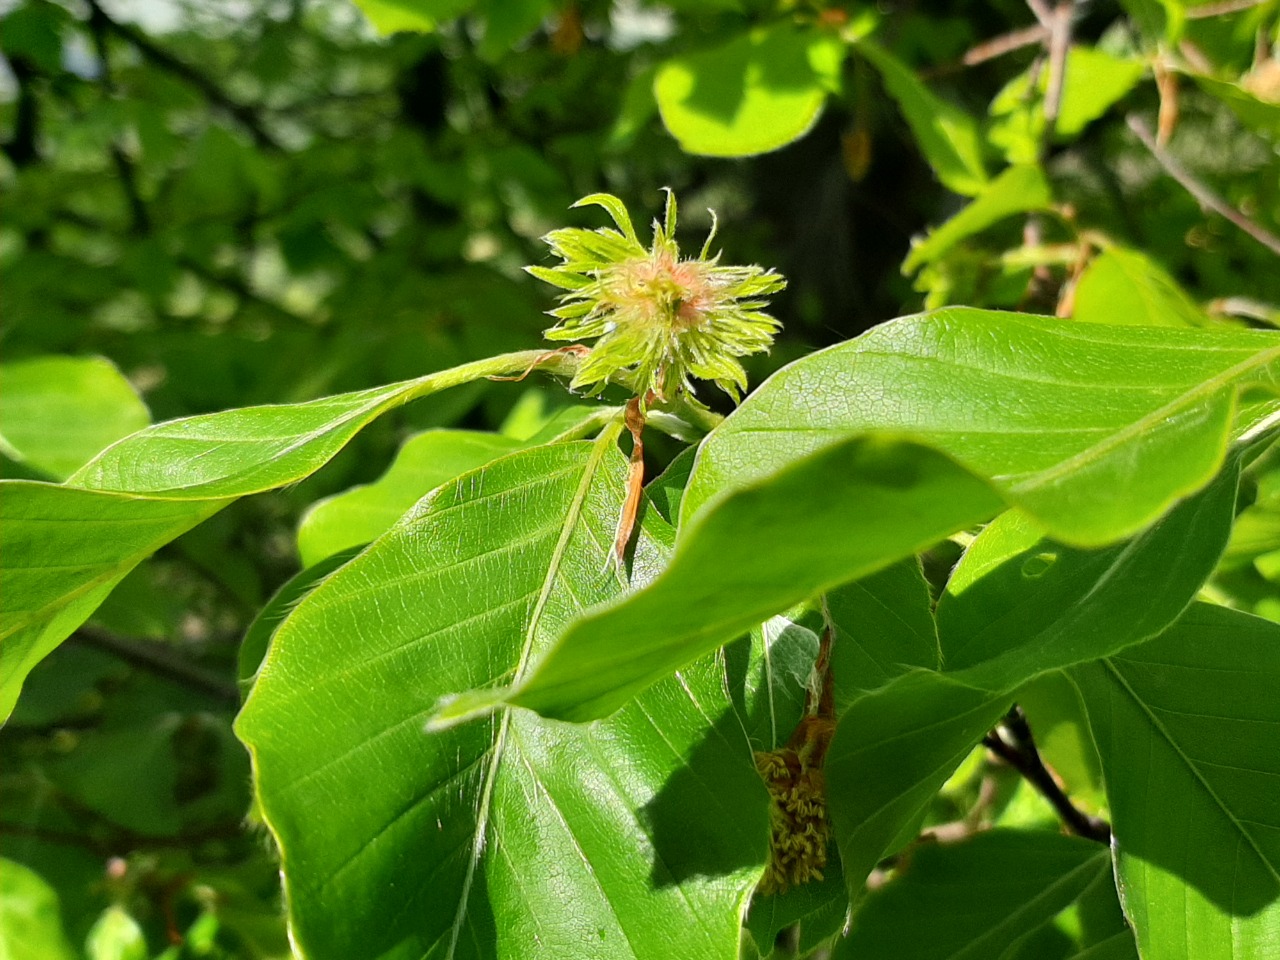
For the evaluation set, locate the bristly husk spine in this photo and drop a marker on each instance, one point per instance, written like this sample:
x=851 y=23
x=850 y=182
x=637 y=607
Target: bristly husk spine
x=663 y=320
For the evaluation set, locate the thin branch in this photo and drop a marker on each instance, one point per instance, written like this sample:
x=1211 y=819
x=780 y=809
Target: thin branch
x=1013 y=743
x=162 y=58
x=1220 y=9
x=1203 y=194
x=1059 y=45
x=160 y=659
x=124 y=166
x=1005 y=43
x=1043 y=12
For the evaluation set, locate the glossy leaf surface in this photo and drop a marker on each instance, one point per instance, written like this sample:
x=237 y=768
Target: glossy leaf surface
x=65 y=547
x=1186 y=727
x=461 y=593
x=1095 y=431
x=893 y=750
x=898 y=497
x=238 y=452
x=1017 y=605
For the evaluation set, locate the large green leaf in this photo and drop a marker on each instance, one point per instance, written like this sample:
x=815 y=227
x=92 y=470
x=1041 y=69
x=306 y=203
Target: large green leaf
x=764 y=549
x=30 y=924
x=980 y=897
x=1017 y=605
x=1093 y=430
x=57 y=412
x=63 y=550
x=423 y=462
x=948 y=137
x=1186 y=726
x=243 y=451
x=1125 y=286
x=471 y=841
x=756 y=93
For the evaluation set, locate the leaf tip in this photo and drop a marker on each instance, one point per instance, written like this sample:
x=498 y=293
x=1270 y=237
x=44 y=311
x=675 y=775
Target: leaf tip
x=458 y=708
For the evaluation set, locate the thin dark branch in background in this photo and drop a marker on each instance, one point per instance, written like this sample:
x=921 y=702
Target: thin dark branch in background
x=244 y=114
x=22 y=147
x=1013 y=743
x=1203 y=194
x=160 y=659
x=125 y=841
x=124 y=166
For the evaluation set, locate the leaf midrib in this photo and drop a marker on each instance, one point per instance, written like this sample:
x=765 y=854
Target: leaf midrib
x=572 y=517
x=1190 y=764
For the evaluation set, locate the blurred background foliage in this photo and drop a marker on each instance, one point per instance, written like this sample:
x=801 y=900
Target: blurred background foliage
x=242 y=202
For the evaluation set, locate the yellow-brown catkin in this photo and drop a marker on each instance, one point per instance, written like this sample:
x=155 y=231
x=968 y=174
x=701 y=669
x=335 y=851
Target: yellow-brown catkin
x=799 y=830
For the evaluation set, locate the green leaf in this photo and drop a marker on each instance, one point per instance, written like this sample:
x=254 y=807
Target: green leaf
x=983 y=895
x=116 y=936
x=820 y=907
x=1018 y=605
x=757 y=93
x=63 y=548
x=238 y=452
x=423 y=16
x=883 y=627
x=57 y=412
x=770 y=695
x=893 y=750
x=899 y=497
x=1186 y=728
x=1092 y=82
x=363 y=513
x=63 y=551
x=1017 y=190
x=253 y=648
x=949 y=138
x=1127 y=287
x=1095 y=431
x=639 y=104
x=1056 y=715
x=460 y=593
x=30 y=921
